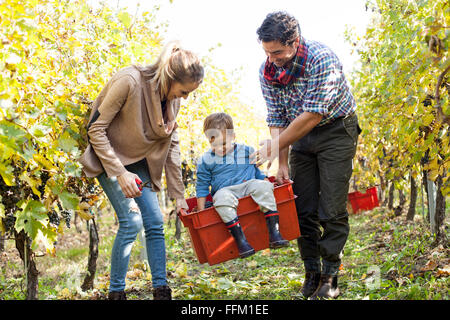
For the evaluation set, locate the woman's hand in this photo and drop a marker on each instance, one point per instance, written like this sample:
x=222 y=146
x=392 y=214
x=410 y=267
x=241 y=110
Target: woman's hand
x=181 y=204
x=127 y=182
x=170 y=126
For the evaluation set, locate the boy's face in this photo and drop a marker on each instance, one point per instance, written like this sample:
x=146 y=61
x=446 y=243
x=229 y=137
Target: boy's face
x=221 y=141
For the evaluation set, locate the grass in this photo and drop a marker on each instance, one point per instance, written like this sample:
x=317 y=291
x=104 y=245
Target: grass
x=385 y=258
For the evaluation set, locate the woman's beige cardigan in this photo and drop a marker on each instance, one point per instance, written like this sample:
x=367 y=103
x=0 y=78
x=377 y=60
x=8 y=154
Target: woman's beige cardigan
x=130 y=127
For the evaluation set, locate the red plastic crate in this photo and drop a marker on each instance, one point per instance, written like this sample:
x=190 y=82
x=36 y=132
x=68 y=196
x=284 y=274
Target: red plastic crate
x=364 y=201
x=214 y=244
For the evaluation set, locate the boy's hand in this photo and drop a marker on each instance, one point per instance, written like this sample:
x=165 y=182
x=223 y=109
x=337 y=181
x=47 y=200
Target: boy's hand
x=201 y=203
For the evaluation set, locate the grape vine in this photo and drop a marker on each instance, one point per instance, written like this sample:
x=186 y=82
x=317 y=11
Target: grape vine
x=402 y=90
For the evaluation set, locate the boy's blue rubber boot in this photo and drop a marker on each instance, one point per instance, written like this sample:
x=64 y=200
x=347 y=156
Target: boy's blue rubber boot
x=245 y=249
x=276 y=240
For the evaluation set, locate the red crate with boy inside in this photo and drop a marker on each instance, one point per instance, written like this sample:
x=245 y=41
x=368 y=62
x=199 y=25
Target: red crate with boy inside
x=238 y=210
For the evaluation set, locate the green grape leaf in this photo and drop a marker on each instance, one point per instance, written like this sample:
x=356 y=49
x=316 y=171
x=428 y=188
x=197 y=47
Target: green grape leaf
x=69 y=200
x=32 y=218
x=66 y=143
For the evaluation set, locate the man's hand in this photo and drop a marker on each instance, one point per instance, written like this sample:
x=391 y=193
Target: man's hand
x=282 y=174
x=267 y=152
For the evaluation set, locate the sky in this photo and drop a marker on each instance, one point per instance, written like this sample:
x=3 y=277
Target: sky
x=203 y=24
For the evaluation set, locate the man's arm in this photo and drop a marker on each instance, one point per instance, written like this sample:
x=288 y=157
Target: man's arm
x=297 y=129
x=283 y=153
x=283 y=167
x=284 y=137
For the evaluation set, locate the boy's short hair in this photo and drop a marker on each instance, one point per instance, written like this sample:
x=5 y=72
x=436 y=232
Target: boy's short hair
x=219 y=121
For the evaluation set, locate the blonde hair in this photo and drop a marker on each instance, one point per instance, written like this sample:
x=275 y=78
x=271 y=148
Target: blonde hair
x=174 y=64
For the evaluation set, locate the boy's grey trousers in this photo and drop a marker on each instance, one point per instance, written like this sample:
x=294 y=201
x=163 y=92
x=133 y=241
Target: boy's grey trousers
x=226 y=199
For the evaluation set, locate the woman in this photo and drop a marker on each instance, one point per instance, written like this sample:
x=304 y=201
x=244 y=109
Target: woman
x=132 y=138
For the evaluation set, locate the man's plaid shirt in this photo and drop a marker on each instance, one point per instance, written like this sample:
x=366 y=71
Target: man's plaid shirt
x=322 y=89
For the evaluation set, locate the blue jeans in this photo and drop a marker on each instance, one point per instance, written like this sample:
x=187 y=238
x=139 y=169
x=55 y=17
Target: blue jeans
x=132 y=215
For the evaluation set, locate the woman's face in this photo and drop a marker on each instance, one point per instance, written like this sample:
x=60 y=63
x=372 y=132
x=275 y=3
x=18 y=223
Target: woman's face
x=181 y=90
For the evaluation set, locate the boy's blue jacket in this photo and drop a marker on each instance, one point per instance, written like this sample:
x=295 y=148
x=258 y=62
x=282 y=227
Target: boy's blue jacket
x=219 y=172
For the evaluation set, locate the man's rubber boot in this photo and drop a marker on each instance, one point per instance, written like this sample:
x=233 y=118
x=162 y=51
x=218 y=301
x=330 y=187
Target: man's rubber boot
x=245 y=249
x=312 y=280
x=328 y=288
x=276 y=240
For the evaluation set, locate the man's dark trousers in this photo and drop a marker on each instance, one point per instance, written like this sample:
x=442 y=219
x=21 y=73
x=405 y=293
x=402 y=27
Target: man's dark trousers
x=321 y=166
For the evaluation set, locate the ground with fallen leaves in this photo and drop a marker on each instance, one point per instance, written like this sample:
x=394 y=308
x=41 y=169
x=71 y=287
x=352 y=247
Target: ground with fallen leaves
x=386 y=257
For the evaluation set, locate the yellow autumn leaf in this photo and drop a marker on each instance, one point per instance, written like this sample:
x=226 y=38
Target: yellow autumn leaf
x=427 y=119
x=85 y=214
x=433 y=174
x=443 y=272
x=102 y=285
x=42 y=161
x=33 y=183
x=84 y=211
x=135 y=274
x=84 y=205
x=64 y=294
x=181 y=270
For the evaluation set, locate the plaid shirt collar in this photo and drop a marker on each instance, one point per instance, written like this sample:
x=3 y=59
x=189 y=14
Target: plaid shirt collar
x=279 y=77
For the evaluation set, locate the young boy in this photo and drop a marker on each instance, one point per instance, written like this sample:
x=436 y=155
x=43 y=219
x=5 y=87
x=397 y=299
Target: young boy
x=227 y=170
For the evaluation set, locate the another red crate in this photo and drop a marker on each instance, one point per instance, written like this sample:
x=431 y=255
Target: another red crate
x=214 y=244
x=364 y=201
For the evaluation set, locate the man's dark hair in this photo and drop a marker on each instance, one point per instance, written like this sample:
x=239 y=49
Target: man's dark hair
x=279 y=26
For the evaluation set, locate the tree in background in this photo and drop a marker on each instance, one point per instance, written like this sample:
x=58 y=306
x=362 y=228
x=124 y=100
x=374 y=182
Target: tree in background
x=55 y=57
x=402 y=90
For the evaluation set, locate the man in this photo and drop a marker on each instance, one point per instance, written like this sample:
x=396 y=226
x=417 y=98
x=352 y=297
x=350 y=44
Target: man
x=314 y=129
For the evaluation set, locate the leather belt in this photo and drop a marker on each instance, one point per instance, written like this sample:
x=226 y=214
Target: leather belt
x=349 y=115
x=336 y=119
